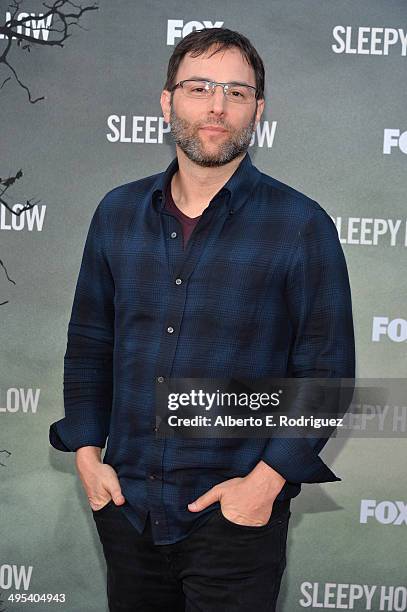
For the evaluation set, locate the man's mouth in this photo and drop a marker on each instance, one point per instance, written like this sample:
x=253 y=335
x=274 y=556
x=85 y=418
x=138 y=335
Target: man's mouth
x=213 y=128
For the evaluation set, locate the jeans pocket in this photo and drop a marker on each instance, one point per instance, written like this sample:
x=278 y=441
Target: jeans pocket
x=272 y=521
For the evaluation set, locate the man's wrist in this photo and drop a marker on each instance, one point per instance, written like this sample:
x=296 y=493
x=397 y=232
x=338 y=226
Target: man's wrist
x=263 y=472
x=88 y=454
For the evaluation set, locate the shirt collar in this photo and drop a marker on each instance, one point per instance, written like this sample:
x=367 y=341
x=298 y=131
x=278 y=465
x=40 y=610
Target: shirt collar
x=238 y=187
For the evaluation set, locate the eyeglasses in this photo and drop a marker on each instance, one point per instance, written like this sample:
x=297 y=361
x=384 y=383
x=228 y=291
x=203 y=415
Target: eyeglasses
x=202 y=90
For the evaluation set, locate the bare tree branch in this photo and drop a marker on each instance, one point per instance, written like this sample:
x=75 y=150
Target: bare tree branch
x=58 y=14
x=5 y=184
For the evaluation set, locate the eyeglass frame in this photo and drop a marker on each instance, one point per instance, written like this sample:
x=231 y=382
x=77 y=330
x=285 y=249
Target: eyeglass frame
x=214 y=84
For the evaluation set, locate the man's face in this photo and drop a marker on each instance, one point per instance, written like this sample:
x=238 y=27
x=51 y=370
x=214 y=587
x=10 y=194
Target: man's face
x=190 y=118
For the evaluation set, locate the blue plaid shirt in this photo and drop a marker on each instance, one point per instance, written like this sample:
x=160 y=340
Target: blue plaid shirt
x=261 y=289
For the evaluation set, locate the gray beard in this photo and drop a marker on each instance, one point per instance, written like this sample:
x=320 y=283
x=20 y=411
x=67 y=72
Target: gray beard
x=190 y=144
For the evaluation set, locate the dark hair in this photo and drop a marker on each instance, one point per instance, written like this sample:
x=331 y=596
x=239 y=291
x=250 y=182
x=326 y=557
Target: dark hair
x=199 y=41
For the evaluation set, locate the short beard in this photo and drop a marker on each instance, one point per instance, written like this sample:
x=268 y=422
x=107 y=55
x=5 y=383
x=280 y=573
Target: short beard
x=186 y=136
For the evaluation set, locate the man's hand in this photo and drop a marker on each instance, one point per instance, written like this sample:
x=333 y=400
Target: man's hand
x=245 y=501
x=99 y=479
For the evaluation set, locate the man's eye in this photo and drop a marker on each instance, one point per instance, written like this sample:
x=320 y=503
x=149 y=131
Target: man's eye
x=198 y=89
x=236 y=93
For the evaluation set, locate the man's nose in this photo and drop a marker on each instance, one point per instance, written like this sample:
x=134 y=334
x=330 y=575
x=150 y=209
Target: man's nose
x=217 y=100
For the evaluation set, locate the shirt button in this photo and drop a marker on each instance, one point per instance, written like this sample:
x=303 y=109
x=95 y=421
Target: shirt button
x=160 y=378
x=178 y=281
x=173 y=234
x=152 y=476
x=170 y=330
x=155 y=428
x=156 y=522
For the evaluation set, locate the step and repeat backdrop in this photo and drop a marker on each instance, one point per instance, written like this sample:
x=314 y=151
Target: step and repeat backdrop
x=80 y=114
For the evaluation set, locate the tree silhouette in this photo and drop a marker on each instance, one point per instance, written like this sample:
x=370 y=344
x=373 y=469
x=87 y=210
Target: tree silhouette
x=21 y=33
x=64 y=16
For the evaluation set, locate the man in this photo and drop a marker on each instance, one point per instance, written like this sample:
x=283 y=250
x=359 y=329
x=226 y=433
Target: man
x=210 y=269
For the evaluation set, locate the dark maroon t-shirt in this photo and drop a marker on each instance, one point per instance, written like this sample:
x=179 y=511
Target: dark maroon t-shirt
x=188 y=223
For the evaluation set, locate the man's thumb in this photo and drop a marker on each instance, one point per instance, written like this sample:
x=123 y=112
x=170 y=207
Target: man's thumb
x=204 y=500
x=117 y=496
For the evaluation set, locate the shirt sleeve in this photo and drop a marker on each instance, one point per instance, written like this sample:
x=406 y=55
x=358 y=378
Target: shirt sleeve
x=88 y=378
x=318 y=300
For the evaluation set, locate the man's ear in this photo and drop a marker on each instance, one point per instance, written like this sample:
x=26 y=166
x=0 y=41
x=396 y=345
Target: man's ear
x=259 y=112
x=165 y=101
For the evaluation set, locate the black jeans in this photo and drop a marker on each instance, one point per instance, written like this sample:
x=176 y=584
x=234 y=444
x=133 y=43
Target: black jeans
x=220 y=567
